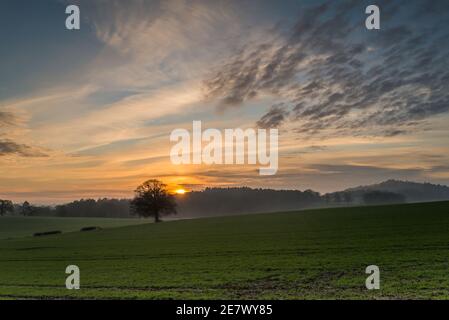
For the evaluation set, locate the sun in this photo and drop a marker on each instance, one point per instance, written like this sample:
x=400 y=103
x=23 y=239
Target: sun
x=180 y=191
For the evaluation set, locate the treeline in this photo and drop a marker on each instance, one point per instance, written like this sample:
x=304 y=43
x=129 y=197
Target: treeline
x=213 y=202
x=410 y=191
x=224 y=201
x=103 y=208
x=110 y=208
x=7 y=207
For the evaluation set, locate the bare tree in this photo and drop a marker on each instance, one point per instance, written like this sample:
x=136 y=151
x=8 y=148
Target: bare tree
x=5 y=207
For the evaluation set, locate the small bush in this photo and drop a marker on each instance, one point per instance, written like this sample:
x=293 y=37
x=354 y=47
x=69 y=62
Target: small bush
x=46 y=233
x=90 y=229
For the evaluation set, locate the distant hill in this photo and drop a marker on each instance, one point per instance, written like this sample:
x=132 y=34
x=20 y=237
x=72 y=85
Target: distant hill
x=234 y=201
x=412 y=191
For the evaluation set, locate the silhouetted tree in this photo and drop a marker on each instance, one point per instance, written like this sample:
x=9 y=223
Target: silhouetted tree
x=27 y=209
x=5 y=207
x=153 y=200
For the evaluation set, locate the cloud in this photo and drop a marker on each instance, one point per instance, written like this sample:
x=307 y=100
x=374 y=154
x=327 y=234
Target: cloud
x=341 y=79
x=148 y=69
x=7 y=118
x=8 y=147
x=10 y=126
x=273 y=118
x=152 y=43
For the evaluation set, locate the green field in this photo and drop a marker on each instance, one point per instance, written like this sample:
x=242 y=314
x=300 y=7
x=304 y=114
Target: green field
x=15 y=227
x=311 y=254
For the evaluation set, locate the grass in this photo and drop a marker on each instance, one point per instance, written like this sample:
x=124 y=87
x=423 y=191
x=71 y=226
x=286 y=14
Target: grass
x=16 y=227
x=315 y=254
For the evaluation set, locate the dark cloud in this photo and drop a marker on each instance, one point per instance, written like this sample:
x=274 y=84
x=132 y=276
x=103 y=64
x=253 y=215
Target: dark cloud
x=7 y=119
x=334 y=74
x=8 y=147
x=274 y=117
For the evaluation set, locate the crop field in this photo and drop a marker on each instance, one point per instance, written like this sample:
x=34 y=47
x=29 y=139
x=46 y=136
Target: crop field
x=297 y=255
x=14 y=227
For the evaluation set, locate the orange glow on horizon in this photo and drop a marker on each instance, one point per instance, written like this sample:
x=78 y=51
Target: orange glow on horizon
x=180 y=191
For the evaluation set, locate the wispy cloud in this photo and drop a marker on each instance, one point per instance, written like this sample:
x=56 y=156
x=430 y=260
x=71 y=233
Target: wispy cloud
x=11 y=127
x=7 y=118
x=274 y=117
x=8 y=147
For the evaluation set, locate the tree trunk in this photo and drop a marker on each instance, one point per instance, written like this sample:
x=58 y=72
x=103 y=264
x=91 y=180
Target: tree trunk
x=156 y=218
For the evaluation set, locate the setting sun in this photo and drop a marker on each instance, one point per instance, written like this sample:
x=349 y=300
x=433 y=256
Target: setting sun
x=180 y=191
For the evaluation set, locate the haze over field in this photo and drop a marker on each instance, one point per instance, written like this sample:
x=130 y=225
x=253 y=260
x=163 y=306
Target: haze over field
x=88 y=113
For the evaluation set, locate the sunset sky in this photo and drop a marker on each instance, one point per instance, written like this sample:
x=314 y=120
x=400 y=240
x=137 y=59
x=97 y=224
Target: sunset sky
x=89 y=113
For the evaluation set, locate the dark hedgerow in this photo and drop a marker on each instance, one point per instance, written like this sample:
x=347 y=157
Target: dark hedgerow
x=46 y=233
x=90 y=229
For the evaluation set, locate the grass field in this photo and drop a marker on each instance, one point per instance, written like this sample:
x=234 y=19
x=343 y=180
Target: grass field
x=312 y=254
x=15 y=227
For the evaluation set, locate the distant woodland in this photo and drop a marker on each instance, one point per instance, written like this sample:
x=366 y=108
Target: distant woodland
x=232 y=201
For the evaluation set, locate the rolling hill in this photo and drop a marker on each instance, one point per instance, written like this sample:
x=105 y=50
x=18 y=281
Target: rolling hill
x=413 y=191
x=319 y=253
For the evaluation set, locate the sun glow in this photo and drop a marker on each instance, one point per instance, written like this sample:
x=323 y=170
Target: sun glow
x=180 y=191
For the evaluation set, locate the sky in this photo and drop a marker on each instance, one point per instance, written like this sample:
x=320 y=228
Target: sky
x=88 y=113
